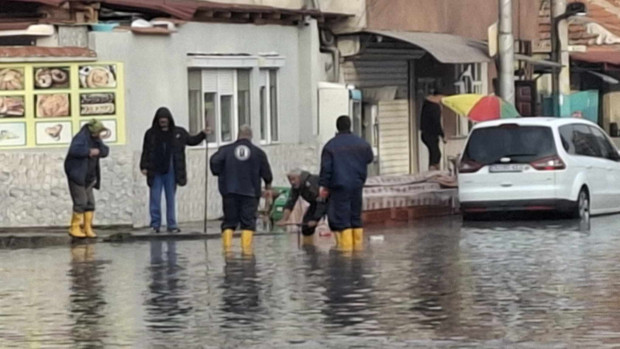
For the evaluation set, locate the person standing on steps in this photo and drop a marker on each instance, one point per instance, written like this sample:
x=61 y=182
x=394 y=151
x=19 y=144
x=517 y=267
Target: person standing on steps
x=240 y=167
x=430 y=125
x=84 y=175
x=163 y=164
x=344 y=169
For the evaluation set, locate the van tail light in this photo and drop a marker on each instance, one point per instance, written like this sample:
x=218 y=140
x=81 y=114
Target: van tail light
x=551 y=163
x=469 y=166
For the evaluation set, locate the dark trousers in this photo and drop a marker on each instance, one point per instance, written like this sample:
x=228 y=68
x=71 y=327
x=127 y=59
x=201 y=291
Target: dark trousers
x=432 y=143
x=240 y=211
x=309 y=216
x=83 y=197
x=344 y=209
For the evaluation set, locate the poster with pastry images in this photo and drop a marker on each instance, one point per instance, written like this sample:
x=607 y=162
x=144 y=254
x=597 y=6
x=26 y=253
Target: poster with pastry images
x=97 y=104
x=12 y=134
x=110 y=135
x=51 y=78
x=97 y=76
x=53 y=105
x=12 y=107
x=11 y=79
x=44 y=104
x=53 y=133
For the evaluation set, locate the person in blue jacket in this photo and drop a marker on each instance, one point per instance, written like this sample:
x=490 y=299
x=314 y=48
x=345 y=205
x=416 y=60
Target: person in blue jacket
x=344 y=168
x=240 y=167
x=84 y=175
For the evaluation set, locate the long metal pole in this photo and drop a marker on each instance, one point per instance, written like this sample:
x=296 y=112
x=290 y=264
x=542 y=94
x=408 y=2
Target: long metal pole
x=559 y=40
x=506 y=52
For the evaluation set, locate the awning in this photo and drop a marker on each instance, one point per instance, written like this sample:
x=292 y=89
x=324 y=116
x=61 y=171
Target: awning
x=537 y=61
x=446 y=48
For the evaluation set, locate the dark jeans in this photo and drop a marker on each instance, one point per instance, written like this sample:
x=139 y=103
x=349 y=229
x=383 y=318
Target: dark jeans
x=83 y=197
x=345 y=209
x=308 y=216
x=432 y=143
x=166 y=183
x=240 y=211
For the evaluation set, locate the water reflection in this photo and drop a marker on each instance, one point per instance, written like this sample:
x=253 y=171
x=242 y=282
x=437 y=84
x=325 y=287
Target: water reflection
x=86 y=300
x=241 y=300
x=166 y=306
x=349 y=292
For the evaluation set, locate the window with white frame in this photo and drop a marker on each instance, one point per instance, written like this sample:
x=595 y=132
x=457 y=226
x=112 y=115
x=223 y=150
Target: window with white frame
x=219 y=99
x=269 y=112
x=470 y=78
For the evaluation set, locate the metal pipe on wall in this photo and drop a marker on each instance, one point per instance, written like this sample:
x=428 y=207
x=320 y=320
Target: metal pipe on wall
x=506 y=52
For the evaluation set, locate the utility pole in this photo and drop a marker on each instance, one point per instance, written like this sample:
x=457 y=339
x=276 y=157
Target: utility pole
x=506 y=52
x=559 y=44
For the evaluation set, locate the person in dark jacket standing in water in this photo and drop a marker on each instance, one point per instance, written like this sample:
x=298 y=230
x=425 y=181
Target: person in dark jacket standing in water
x=430 y=125
x=84 y=175
x=344 y=168
x=305 y=185
x=163 y=164
x=240 y=167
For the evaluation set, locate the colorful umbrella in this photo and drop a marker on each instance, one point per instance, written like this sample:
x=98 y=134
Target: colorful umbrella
x=480 y=108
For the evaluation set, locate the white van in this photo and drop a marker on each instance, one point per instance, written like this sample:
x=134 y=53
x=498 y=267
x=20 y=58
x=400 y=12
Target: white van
x=539 y=164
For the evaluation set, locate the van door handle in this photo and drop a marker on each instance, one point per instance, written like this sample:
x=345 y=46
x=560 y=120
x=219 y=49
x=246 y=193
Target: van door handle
x=589 y=167
x=609 y=169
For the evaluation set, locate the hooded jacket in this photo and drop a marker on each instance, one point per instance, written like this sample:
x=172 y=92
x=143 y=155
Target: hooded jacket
x=178 y=139
x=76 y=163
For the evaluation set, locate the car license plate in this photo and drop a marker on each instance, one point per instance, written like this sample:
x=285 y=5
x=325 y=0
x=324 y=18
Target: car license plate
x=507 y=168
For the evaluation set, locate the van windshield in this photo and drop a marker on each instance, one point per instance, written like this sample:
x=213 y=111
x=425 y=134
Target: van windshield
x=522 y=144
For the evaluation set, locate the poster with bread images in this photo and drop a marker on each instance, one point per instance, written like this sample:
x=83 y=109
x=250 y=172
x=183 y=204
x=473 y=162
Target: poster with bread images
x=53 y=105
x=11 y=79
x=97 y=104
x=12 y=107
x=97 y=76
x=51 y=78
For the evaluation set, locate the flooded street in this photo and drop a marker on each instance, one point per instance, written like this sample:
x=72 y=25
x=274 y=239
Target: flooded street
x=437 y=283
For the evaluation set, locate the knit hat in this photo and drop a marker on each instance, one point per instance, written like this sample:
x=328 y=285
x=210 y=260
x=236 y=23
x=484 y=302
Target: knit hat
x=96 y=126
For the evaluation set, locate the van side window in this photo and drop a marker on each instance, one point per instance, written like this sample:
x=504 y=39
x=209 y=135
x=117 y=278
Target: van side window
x=566 y=136
x=585 y=142
x=608 y=150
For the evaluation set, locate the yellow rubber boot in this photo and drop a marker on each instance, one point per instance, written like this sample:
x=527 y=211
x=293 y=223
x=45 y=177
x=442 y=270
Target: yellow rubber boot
x=75 y=230
x=246 y=241
x=88 y=224
x=346 y=240
x=358 y=238
x=227 y=236
x=307 y=240
x=338 y=237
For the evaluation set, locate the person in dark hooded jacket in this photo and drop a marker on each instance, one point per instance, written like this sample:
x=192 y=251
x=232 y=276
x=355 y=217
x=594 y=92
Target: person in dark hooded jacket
x=84 y=175
x=163 y=164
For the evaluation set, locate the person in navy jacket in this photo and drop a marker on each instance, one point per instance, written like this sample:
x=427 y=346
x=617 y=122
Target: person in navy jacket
x=84 y=175
x=240 y=167
x=344 y=168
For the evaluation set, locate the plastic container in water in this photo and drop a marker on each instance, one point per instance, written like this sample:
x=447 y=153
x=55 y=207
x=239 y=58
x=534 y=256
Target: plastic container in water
x=277 y=210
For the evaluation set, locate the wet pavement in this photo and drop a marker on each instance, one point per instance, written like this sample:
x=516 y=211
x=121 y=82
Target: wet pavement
x=437 y=283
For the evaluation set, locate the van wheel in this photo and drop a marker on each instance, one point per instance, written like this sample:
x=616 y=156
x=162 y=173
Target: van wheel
x=582 y=206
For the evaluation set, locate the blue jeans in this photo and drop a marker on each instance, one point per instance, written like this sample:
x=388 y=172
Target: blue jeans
x=167 y=183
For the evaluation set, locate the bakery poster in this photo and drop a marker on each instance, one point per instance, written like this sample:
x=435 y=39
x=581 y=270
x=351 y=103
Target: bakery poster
x=97 y=76
x=44 y=104
x=53 y=133
x=12 y=134
x=97 y=104
x=12 y=107
x=54 y=105
x=51 y=78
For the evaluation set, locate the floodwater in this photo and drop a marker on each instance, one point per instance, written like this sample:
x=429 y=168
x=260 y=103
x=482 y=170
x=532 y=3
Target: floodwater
x=437 y=283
